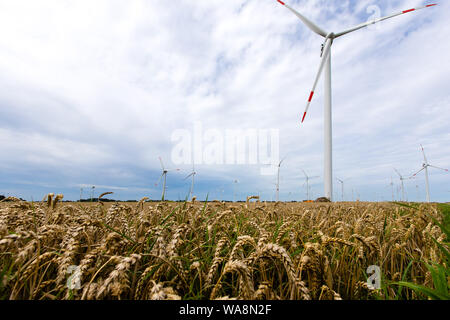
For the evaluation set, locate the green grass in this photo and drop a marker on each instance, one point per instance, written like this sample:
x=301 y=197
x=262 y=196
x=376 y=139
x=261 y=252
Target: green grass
x=440 y=273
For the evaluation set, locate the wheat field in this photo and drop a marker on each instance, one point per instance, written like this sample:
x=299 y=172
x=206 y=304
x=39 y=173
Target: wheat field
x=215 y=250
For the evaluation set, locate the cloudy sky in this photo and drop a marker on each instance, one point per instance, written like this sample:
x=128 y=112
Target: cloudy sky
x=92 y=92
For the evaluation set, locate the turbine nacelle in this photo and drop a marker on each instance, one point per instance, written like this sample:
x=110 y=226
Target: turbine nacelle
x=330 y=36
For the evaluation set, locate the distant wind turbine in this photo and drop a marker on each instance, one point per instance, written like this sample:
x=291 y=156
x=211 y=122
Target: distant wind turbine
x=326 y=64
x=307 y=183
x=425 y=167
x=402 y=184
x=235 y=182
x=220 y=192
x=278 y=179
x=192 y=174
x=391 y=185
x=342 y=187
x=355 y=195
x=164 y=176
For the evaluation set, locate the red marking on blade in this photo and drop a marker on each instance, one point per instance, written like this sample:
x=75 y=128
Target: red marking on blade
x=311 y=96
x=304 y=116
x=430 y=5
x=406 y=11
x=281 y=2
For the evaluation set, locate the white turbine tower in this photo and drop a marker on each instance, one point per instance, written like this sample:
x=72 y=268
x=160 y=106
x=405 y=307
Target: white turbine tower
x=164 y=176
x=192 y=174
x=425 y=167
x=307 y=183
x=326 y=62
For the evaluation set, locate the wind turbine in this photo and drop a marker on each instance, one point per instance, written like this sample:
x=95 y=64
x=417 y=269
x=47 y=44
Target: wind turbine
x=278 y=179
x=425 y=167
x=164 y=176
x=418 y=192
x=402 y=184
x=342 y=186
x=392 y=187
x=235 y=182
x=220 y=191
x=307 y=183
x=192 y=174
x=326 y=62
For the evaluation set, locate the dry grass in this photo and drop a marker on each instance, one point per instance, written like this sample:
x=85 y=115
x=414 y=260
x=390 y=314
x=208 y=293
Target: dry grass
x=169 y=251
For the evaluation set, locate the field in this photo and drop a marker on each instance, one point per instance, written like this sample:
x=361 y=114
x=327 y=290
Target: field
x=214 y=250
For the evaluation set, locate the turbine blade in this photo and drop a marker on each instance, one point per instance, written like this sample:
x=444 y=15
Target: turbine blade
x=306 y=21
x=188 y=176
x=162 y=165
x=326 y=54
x=424 y=157
x=415 y=174
x=305 y=174
x=398 y=173
x=437 y=168
x=363 y=25
x=159 y=180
